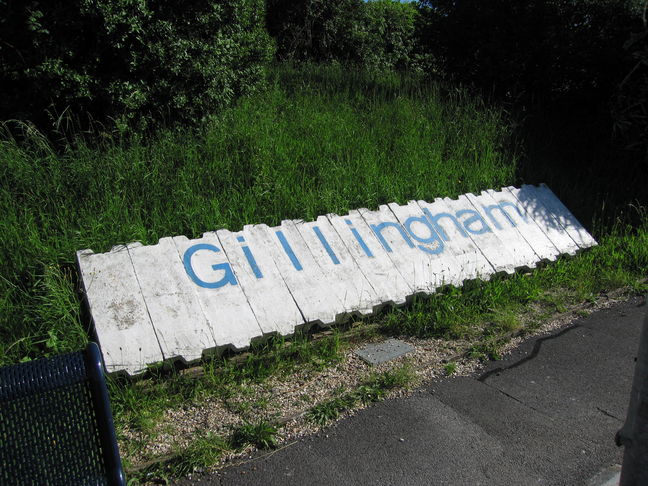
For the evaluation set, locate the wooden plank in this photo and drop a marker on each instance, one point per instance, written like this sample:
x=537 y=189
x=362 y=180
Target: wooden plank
x=475 y=224
x=180 y=325
x=566 y=219
x=335 y=261
x=411 y=264
x=470 y=259
x=262 y=284
x=371 y=258
x=525 y=224
x=223 y=302
x=504 y=228
x=124 y=329
x=442 y=266
x=308 y=286
x=546 y=221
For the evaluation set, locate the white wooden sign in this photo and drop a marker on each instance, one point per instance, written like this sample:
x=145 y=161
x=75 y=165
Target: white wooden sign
x=182 y=298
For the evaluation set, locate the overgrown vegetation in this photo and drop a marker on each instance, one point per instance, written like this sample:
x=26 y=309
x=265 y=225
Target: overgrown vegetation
x=377 y=35
x=621 y=259
x=139 y=63
x=370 y=390
x=136 y=120
x=273 y=157
x=140 y=407
x=128 y=63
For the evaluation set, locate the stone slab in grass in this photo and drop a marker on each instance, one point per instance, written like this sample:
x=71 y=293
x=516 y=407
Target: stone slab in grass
x=378 y=353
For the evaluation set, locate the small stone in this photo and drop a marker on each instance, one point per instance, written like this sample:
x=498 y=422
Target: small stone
x=382 y=352
x=401 y=439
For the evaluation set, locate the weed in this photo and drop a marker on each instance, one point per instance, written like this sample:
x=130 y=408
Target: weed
x=450 y=368
x=370 y=390
x=202 y=452
x=261 y=434
x=398 y=377
x=327 y=411
x=488 y=349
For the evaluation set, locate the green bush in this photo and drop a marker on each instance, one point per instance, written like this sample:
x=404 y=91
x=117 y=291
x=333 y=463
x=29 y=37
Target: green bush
x=539 y=50
x=376 y=35
x=130 y=61
x=630 y=101
x=384 y=37
x=313 y=30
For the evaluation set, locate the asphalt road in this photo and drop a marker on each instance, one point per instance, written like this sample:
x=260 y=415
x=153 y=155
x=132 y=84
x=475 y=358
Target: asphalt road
x=545 y=415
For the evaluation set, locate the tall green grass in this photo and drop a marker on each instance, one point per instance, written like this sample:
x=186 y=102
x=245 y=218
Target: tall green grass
x=328 y=141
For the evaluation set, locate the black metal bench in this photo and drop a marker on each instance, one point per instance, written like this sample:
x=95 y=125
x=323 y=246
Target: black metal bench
x=56 y=426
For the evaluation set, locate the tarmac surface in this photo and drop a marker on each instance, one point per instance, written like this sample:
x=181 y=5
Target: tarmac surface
x=545 y=415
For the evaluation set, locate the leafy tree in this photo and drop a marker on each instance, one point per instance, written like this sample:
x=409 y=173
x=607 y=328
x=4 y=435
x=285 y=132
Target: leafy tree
x=377 y=34
x=536 y=49
x=130 y=59
x=384 y=34
x=630 y=101
x=314 y=30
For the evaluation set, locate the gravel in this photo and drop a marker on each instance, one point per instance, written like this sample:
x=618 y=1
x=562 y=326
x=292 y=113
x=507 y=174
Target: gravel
x=283 y=400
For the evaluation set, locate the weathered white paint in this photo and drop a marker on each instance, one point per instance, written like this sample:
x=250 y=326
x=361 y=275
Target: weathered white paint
x=123 y=326
x=491 y=246
x=544 y=218
x=470 y=259
x=527 y=227
x=227 y=309
x=309 y=288
x=565 y=218
x=181 y=298
x=442 y=267
x=172 y=305
x=504 y=229
x=412 y=264
x=352 y=287
x=273 y=306
x=372 y=260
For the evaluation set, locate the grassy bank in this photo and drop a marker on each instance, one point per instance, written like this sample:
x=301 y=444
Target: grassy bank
x=318 y=141
x=291 y=153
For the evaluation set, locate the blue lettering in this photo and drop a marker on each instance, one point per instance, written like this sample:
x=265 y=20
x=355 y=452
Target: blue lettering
x=434 y=237
x=439 y=229
x=250 y=258
x=475 y=218
x=326 y=245
x=363 y=245
x=377 y=229
x=228 y=276
x=489 y=211
x=522 y=215
x=289 y=251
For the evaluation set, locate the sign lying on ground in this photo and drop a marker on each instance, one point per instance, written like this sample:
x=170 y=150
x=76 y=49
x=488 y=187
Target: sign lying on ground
x=181 y=298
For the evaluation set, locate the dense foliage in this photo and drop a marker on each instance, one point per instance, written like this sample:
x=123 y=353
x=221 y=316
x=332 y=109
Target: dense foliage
x=538 y=49
x=385 y=38
x=315 y=30
x=129 y=59
x=630 y=103
x=134 y=61
x=376 y=35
